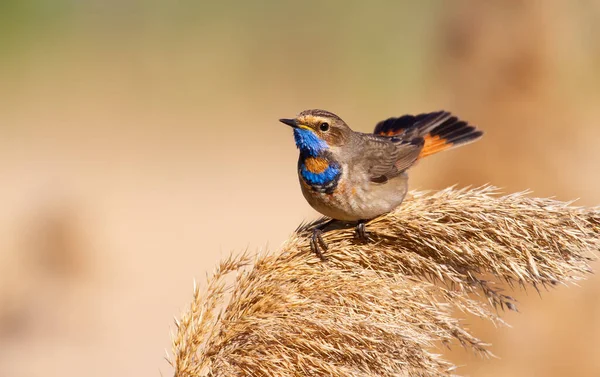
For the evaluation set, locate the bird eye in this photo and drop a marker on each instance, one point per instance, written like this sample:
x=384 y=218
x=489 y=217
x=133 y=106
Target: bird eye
x=324 y=127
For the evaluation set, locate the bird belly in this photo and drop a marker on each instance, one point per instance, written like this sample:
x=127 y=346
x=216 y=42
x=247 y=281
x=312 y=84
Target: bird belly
x=357 y=198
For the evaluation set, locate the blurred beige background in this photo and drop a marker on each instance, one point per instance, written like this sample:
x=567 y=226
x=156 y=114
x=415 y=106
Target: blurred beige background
x=140 y=143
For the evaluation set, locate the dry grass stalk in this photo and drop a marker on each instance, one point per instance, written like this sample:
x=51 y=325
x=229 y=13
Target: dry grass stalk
x=379 y=309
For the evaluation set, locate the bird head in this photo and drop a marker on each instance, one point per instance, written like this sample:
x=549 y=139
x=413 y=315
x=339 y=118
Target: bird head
x=316 y=131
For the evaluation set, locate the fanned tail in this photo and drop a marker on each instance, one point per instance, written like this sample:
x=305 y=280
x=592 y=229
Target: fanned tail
x=439 y=130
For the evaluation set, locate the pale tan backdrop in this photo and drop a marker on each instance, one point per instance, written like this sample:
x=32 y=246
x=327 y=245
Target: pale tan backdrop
x=140 y=143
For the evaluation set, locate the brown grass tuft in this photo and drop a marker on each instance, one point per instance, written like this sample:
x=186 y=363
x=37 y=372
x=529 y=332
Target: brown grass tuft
x=381 y=309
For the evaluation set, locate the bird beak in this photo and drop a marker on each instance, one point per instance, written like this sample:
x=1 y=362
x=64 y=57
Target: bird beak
x=290 y=122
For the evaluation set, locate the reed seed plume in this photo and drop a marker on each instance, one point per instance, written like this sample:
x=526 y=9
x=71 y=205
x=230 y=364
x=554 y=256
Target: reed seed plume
x=383 y=308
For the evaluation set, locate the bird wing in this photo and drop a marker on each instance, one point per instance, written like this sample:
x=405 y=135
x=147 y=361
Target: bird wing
x=396 y=143
x=387 y=157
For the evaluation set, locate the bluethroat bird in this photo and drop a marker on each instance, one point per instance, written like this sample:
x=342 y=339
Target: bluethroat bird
x=354 y=177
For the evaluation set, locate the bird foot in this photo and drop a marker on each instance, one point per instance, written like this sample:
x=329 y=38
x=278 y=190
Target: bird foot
x=361 y=232
x=317 y=244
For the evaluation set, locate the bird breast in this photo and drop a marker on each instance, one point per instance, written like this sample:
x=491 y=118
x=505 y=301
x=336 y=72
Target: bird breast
x=353 y=197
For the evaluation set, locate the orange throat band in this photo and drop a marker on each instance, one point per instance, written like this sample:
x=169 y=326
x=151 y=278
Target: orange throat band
x=316 y=165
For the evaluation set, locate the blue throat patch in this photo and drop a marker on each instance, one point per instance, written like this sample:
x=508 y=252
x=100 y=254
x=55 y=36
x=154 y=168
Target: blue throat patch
x=309 y=143
x=320 y=179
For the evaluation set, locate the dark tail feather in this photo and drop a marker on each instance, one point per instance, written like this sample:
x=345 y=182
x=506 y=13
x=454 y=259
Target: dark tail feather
x=406 y=124
x=440 y=131
x=451 y=132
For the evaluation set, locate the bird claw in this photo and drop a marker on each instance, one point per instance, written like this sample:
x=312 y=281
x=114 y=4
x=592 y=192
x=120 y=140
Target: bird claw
x=317 y=243
x=361 y=232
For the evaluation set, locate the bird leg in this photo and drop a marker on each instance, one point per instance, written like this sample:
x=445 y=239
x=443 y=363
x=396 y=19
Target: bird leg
x=361 y=232
x=318 y=245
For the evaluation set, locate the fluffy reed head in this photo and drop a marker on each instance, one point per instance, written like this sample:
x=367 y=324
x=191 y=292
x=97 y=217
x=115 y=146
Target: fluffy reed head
x=382 y=308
